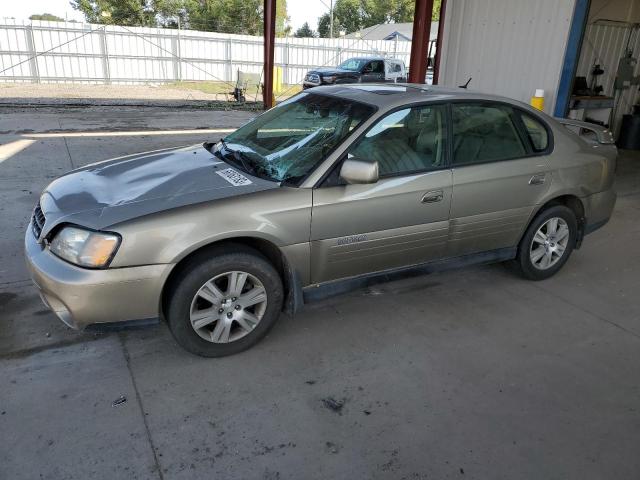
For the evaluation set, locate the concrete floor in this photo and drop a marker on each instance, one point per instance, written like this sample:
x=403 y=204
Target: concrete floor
x=463 y=374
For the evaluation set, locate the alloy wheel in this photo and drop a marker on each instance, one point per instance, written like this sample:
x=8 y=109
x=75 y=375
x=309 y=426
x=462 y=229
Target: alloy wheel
x=228 y=307
x=549 y=243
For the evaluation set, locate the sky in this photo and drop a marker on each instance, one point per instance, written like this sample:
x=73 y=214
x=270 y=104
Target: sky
x=300 y=11
x=22 y=9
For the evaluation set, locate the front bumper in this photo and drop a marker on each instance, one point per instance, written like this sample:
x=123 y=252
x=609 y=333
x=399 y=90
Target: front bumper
x=82 y=297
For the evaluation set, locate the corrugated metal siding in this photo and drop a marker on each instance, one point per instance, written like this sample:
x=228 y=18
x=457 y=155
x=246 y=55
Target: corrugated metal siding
x=605 y=44
x=509 y=47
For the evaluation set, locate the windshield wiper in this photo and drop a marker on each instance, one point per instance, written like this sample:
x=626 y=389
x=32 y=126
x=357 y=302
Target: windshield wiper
x=239 y=157
x=246 y=163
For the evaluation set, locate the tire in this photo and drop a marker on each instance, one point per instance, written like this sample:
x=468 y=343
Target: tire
x=528 y=261
x=205 y=313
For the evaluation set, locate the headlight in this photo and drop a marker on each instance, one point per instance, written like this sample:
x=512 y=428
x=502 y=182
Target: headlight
x=84 y=247
x=329 y=79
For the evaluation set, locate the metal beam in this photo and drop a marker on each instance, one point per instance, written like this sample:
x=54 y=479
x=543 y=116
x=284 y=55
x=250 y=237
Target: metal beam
x=571 y=56
x=439 y=43
x=420 y=41
x=269 y=42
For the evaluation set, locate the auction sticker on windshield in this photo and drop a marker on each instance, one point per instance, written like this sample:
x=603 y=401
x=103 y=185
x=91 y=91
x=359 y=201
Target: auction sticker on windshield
x=233 y=177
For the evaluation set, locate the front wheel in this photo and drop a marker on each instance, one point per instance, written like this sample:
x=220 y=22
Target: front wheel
x=547 y=243
x=224 y=303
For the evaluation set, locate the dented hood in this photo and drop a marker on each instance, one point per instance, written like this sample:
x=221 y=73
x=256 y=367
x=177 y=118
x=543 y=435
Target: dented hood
x=110 y=192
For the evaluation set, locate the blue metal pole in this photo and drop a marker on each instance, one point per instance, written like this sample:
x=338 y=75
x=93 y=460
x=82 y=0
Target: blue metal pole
x=571 y=56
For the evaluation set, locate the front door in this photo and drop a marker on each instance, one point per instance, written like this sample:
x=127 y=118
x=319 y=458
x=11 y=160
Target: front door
x=401 y=220
x=500 y=173
x=373 y=71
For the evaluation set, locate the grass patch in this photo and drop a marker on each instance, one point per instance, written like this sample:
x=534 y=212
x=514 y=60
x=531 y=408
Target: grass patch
x=224 y=87
x=205 y=87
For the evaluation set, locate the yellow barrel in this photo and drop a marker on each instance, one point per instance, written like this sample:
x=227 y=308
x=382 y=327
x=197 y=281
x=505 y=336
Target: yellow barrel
x=537 y=101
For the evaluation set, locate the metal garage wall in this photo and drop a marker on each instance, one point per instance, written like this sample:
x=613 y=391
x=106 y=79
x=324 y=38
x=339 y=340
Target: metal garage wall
x=604 y=44
x=509 y=47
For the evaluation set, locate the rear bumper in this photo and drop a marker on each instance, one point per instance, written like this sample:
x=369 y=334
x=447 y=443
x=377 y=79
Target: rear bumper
x=598 y=210
x=82 y=297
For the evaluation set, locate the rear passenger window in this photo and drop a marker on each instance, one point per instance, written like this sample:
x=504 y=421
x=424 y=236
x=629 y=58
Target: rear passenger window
x=484 y=133
x=536 y=131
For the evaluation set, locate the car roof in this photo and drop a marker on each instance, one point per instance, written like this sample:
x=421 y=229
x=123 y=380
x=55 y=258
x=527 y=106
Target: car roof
x=391 y=95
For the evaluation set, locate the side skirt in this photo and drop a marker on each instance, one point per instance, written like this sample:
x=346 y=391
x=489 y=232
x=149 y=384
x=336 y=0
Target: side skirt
x=337 y=287
x=121 y=326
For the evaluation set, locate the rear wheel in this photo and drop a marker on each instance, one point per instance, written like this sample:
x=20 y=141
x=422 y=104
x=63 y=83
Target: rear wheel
x=547 y=243
x=225 y=303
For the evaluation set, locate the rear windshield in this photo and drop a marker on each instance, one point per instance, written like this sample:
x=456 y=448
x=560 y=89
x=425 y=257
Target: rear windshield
x=289 y=141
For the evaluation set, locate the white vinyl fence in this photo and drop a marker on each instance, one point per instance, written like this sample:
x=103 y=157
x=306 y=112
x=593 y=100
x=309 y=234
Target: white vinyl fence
x=57 y=52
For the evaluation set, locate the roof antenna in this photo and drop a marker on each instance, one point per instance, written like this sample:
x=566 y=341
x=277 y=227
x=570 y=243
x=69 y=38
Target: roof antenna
x=466 y=84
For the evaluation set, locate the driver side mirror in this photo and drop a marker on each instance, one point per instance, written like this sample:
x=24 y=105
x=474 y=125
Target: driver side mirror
x=355 y=171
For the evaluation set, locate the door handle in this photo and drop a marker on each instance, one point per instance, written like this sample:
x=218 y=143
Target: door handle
x=433 y=196
x=538 y=179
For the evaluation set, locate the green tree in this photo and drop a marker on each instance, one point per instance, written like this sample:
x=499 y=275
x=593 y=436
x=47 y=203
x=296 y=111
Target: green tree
x=283 y=28
x=354 y=15
x=437 y=4
x=119 y=12
x=323 y=25
x=226 y=16
x=350 y=15
x=243 y=17
x=47 y=17
x=304 y=31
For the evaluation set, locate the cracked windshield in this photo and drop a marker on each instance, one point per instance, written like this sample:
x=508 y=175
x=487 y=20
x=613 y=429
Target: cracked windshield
x=287 y=142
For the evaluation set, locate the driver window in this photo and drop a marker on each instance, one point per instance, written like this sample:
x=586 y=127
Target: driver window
x=377 y=67
x=406 y=141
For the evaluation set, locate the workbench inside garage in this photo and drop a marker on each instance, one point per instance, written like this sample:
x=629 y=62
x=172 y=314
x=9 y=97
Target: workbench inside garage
x=596 y=107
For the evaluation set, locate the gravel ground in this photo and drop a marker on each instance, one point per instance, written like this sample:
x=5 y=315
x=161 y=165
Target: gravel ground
x=132 y=92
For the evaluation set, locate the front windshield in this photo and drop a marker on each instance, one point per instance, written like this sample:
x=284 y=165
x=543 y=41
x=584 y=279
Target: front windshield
x=353 y=64
x=290 y=140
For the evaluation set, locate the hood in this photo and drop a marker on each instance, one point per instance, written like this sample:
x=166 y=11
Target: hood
x=106 y=193
x=332 y=71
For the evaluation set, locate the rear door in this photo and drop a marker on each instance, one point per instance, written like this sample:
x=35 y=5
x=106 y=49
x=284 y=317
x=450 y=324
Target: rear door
x=501 y=171
x=401 y=220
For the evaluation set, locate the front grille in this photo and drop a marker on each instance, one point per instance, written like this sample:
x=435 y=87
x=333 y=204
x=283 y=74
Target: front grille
x=312 y=78
x=37 y=220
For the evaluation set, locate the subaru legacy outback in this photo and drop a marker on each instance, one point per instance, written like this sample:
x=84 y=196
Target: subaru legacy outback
x=332 y=188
